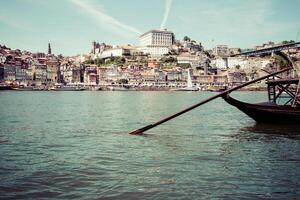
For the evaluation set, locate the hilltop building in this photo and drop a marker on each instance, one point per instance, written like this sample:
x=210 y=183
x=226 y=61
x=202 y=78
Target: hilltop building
x=157 y=38
x=117 y=51
x=156 y=42
x=221 y=51
x=98 y=48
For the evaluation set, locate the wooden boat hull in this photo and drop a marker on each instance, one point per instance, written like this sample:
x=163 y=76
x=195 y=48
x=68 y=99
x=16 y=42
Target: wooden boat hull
x=267 y=112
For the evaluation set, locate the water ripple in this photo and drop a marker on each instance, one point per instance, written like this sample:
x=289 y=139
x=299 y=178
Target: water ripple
x=77 y=146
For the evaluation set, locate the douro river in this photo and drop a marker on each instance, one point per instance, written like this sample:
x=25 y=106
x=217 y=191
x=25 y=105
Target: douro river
x=75 y=145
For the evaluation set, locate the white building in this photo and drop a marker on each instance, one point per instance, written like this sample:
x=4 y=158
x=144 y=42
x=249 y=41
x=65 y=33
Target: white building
x=187 y=58
x=221 y=51
x=115 y=52
x=248 y=64
x=2 y=58
x=235 y=61
x=220 y=63
x=157 y=38
x=156 y=42
x=154 y=51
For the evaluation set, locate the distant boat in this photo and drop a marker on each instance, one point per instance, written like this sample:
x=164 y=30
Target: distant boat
x=23 y=88
x=120 y=88
x=211 y=88
x=189 y=86
x=68 y=88
x=5 y=87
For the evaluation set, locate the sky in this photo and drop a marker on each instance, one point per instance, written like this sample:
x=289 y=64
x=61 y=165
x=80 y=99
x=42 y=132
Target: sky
x=71 y=25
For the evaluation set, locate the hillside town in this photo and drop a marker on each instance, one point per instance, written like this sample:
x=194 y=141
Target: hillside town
x=159 y=62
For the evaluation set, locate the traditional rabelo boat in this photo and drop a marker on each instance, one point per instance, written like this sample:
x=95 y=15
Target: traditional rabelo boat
x=280 y=85
x=284 y=100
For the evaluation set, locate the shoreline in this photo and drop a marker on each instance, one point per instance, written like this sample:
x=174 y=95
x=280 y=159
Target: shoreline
x=132 y=90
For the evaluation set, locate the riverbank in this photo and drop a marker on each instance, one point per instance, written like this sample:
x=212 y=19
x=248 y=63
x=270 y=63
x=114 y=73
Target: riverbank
x=124 y=88
x=149 y=89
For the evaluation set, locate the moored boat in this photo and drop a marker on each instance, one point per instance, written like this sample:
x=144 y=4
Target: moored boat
x=267 y=112
x=284 y=98
x=186 y=89
x=23 y=88
x=120 y=88
x=5 y=87
x=69 y=88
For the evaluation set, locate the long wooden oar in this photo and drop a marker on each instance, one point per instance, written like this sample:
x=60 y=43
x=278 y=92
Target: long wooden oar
x=145 y=128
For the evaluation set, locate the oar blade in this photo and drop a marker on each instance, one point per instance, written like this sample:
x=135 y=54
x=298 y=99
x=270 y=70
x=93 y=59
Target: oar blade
x=141 y=130
x=136 y=132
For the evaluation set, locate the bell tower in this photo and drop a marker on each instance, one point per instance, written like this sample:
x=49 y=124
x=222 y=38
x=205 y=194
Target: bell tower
x=49 y=48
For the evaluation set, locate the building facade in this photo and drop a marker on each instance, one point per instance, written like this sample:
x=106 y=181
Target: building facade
x=221 y=51
x=52 y=68
x=115 y=52
x=157 y=38
x=156 y=42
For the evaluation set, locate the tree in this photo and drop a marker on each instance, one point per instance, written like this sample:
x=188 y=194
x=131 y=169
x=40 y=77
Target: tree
x=98 y=61
x=186 y=38
x=90 y=61
x=287 y=42
x=282 y=62
x=173 y=52
x=123 y=81
x=168 y=59
x=120 y=60
x=184 y=65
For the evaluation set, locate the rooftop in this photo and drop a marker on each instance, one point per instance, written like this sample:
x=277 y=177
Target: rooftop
x=156 y=31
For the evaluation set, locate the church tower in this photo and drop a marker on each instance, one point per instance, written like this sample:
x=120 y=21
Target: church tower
x=49 y=48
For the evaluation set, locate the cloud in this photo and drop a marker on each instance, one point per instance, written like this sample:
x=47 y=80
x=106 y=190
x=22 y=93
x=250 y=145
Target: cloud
x=104 y=19
x=166 y=14
x=237 y=23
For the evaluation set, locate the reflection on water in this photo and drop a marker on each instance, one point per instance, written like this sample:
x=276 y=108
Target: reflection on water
x=279 y=129
x=75 y=145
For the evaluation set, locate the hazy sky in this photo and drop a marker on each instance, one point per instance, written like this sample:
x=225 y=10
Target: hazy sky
x=71 y=25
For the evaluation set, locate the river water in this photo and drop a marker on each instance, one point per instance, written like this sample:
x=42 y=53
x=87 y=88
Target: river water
x=74 y=145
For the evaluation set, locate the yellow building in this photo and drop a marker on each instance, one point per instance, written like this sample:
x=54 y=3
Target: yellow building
x=52 y=67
